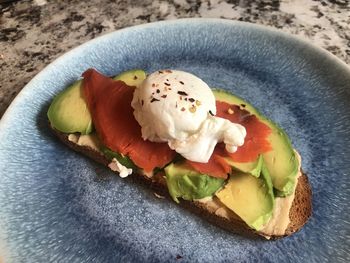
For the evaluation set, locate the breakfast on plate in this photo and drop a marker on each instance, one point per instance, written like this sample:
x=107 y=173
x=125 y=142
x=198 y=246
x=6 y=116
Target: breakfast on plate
x=209 y=150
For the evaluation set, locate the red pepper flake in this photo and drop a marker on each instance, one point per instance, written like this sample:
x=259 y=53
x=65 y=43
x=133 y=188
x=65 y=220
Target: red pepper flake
x=183 y=109
x=164 y=96
x=182 y=93
x=154 y=99
x=181 y=82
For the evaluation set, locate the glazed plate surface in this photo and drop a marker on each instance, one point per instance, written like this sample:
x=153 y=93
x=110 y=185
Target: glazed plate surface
x=58 y=206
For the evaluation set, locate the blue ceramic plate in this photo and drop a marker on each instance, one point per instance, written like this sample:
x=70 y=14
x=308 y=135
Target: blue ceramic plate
x=55 y=206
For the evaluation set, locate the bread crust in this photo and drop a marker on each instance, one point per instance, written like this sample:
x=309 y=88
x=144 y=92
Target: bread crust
x=299 y=214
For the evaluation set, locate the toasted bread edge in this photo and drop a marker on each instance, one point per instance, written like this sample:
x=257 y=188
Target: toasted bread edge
x=299 y=213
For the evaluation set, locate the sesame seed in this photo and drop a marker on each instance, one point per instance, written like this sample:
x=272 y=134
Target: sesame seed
x=192 y=109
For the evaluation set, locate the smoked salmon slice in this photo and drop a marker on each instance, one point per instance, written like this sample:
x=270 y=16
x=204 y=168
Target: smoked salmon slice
x=255 y=143
x=109 y=102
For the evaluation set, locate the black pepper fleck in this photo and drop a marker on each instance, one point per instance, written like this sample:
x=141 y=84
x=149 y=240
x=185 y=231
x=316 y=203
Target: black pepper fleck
x=164 y=96
x=182 y=93
x=181 y=82
x=154 y=99
x=166 y=84
x=158 y=90
x=211 y=113
x=191 y=99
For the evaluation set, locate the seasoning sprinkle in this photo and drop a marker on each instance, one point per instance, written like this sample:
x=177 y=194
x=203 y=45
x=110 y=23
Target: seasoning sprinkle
x=142 y=102
x=181 y=82
x=243 y=105
x=160 y=71
x=192 y=109
x=158 y=91
x=153 y=85
x=185 y=99
x=180 y=97
x=135 y=77
x=198 y=103
x=164 y=96
x=182 y=93
x=211 y=113
x=166 y=84
x=230 y=111
x=183 y=109
x=154 y=99
x=168 y=71
x=191 y=99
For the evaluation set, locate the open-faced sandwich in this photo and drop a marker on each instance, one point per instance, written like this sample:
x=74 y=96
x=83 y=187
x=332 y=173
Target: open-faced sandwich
x=209 y=150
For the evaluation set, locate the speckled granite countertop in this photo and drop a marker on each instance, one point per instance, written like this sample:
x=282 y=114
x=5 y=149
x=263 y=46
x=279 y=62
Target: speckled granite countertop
x=34 y=33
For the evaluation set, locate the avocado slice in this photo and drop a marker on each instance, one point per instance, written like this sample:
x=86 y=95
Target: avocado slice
x=132 y=77
x=253 y=168
x=69 y=113
x=188 y=184
x=281 y=162
x=251 y=198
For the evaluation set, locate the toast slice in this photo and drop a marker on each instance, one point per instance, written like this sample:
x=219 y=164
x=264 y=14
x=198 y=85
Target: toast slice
x=214 y=211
